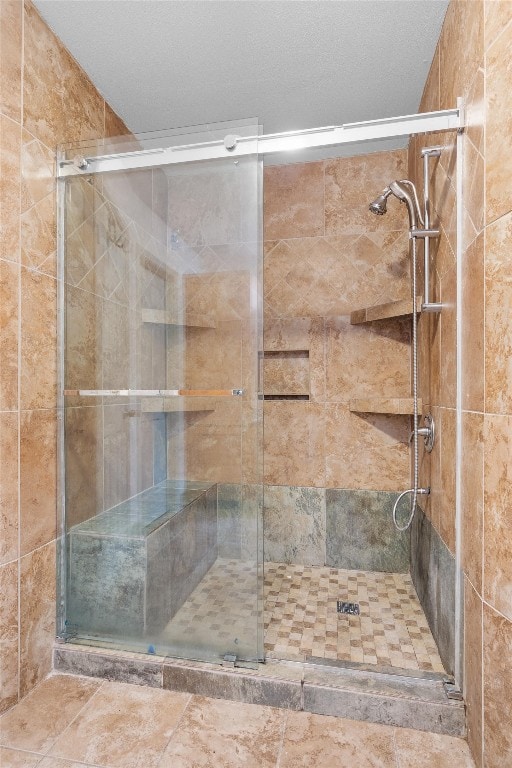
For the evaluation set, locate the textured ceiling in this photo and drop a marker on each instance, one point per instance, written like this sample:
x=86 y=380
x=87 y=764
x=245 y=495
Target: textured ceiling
x=292 y=64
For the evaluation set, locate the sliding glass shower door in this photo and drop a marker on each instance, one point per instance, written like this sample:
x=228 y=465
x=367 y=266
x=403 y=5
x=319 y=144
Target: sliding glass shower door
x=161 y=441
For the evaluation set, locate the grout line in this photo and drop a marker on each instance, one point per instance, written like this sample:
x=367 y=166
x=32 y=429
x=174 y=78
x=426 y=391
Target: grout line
x=395 y=749
x=18 y=473
x=498 y=36
x=176 y=727
x=101 y=685
x=284 y=726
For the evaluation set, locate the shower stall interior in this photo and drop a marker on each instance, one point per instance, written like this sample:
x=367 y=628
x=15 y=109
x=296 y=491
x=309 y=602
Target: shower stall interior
x=163 y=546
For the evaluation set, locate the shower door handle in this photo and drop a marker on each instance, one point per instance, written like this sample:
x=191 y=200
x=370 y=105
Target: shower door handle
x=153 y=392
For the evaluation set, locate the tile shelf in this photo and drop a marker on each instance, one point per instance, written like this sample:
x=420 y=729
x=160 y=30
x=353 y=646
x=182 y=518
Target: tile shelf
x=189 y=320
x=387 y=311
x=400 y=406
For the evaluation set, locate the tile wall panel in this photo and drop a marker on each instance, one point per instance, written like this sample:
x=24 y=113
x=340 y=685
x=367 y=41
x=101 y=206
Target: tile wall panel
x=45 y=98
x=478 y=70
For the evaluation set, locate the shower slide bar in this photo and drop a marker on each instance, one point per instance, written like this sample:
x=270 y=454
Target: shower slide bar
x=153 y=392
x=238 y=146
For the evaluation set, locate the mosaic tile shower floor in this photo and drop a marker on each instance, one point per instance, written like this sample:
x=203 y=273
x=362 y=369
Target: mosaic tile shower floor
x=301 y=619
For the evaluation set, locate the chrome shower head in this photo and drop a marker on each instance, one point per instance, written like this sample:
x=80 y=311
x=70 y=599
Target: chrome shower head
x=379 y=205
x=405 y=191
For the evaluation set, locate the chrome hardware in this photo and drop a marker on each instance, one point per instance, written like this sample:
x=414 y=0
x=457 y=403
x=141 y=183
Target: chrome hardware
x=428 y=306
x=230 y=142
x=431 y=151
x=229 y=660
x=452 y=691
x=352 y=609
x=432 y=306
x=153 y=392
x=81 y=162
x=424 y=233
x=428 y=432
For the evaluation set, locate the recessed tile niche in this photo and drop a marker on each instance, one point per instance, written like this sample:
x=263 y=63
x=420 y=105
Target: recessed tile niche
x=286 y=374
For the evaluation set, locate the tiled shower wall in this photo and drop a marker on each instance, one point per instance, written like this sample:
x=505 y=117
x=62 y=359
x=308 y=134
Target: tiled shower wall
x=473 y=60
x=45 y=99
x=325 y=256
x=115 y=269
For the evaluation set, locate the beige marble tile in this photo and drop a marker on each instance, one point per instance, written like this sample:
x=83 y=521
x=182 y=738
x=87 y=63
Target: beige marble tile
x=215 y=733
x=355 y=355
x=39 y=236
x=114 y=125
x=55 y=762
x=37 y=172
x=498 y=14
x=472 y=496
x=38 y=478
x=11 y=32
x=9 y=312
x=497 y=686
x=84 y=463
x=458 y=63
x=38 y=340
x=475 y=111
x=72 y=112
x=83 y=340
x=287 y=334
x=10 y=145
x=419 y=749
x=286 y=373
x=294 y=444
x=473 y=303
x=124 y=725
x=8 y=635
x=37 y=618
x=14 y=758
x=326 y=742
x=473 y=668
x=444 y=205
x=9 y=488
x=348 y=188
x=498 y=316
x=498 y=142
x=46 y=712
x=294 y=201
x=368 y=451
x=498 y=512
x=473 y=185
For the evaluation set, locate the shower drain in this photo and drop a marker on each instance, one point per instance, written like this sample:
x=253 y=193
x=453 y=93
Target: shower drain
x=351 y=608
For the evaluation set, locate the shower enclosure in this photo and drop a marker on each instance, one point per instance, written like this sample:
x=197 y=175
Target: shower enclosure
x=161 y=440
x=162 y=419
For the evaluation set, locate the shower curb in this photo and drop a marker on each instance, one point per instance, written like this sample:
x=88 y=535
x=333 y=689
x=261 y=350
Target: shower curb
x=389 y=699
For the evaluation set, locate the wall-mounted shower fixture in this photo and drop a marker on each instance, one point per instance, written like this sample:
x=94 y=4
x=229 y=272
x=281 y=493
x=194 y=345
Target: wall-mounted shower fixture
x=428 y=306
x=419 y=228
x=405 y=191
x=428 y=433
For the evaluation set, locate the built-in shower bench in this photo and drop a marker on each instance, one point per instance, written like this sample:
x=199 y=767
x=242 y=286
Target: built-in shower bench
x=133 y=566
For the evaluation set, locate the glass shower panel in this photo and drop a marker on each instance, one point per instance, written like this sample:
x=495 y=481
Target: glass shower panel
x=162 y=417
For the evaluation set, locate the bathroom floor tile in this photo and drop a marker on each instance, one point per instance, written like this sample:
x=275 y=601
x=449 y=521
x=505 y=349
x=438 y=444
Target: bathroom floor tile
x=136 y=727
x=45 y=712
x=417 y=749
x=330 y=742
x=301 y=617
x=215 y=733
x=15 y=758
x=126 y=726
